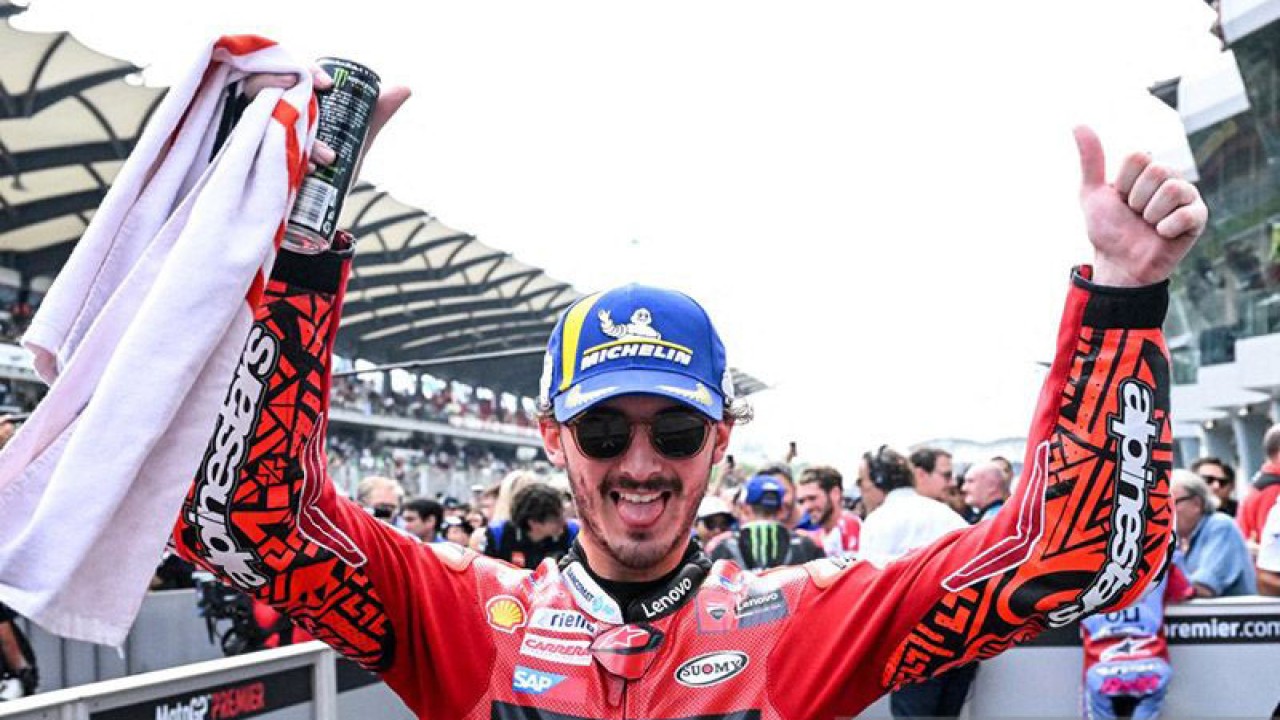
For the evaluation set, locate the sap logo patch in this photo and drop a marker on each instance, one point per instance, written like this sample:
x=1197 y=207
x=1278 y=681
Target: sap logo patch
x=711 y=669
x=505 y=613
x=532 y=682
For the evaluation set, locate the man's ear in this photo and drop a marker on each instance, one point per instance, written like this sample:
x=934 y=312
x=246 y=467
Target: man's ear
x=720 y=436
x=552 y=440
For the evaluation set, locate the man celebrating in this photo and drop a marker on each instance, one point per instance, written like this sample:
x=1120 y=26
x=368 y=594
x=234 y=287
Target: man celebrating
x=637 y=407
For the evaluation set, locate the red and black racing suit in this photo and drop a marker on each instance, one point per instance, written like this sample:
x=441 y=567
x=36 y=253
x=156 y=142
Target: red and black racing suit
x=461 y=636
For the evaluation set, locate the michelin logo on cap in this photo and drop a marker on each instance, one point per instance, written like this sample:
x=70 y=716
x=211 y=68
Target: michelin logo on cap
x=635 y=340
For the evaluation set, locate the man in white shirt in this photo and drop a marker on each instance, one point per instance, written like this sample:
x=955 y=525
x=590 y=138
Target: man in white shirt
x=900 y=520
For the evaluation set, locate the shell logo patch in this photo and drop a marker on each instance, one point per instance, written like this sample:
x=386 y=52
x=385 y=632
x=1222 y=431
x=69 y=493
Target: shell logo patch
x=505 y=613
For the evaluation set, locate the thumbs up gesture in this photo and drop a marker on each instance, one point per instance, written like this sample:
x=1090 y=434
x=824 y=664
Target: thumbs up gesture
x=1141 y=224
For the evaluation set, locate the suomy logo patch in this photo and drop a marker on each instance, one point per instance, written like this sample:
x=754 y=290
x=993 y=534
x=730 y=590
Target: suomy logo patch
x=711 y=669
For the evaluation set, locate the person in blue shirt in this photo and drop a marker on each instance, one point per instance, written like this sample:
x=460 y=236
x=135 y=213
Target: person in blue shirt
x=1217 y=560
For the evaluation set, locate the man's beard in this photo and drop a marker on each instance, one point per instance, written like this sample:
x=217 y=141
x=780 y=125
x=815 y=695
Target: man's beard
x=827 y=512
x=642 y=550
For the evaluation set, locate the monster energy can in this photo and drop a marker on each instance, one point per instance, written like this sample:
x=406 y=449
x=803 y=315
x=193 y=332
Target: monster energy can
x=346 y=110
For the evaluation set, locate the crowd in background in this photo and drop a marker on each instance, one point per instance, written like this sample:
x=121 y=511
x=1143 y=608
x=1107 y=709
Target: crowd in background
x=1228 y=541
x=438 y=406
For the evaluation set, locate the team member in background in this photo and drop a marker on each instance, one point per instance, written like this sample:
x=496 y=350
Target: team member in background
x=762 y=541
x=820 y=493
x=637 y=407
x=1268 y=564
x=1252 y=512
x=1126 y=657
x=537 y=528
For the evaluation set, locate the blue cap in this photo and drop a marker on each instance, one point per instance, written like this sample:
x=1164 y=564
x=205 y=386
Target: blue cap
x=635 y=340
x=765 y=491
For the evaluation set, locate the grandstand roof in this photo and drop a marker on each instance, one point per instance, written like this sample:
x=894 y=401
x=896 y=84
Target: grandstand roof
x=419 y=288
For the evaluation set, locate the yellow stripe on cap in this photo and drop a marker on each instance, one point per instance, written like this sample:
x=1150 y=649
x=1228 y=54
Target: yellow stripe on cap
x=571 y=336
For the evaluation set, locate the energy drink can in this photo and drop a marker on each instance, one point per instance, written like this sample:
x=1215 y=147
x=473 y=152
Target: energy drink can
x=346 y=111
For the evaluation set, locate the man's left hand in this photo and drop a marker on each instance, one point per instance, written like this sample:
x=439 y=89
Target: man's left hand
x=1142 y=224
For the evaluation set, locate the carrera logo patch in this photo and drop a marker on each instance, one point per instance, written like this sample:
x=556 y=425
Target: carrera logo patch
x=711 y=669
x=505 y=613
x=565 y=621
x=556 y=650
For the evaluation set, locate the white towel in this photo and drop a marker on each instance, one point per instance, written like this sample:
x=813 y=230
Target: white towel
x=138 y=338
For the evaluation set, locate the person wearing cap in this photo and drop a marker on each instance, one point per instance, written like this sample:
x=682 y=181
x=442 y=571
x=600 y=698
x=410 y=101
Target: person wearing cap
x=762 y=542
x=637 y=407
x=715 y=522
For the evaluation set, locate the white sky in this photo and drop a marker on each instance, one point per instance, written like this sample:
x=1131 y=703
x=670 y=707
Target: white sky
x=876 y=202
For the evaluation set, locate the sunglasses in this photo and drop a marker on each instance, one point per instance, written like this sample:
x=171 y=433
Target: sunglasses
x=605 y=434
x=1214 y=480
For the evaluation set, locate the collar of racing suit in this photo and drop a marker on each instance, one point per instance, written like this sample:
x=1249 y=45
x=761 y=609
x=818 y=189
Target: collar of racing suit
x=642 y=601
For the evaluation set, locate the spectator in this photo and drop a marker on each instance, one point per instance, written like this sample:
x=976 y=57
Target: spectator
x=763 y=541
x=19 y=676
x=458 y=531
x=1126 y=657
x=173 y=573
x=7 y=428
x=901 y=519
x=511 y=484
x=1218 y=562
x=537 y=528
x=715 y=522
x=487 y=500
x=1221 y=478
x=931 y=470
x=821 y=494
x=986 y=488
x=955 y=494
x=787 y=515
x=423 y=518
x=380 y=497
x=1253 y=510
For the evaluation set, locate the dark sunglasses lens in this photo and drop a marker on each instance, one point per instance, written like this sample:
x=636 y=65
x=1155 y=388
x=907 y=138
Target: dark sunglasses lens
x=679 y=435
x=602 y=435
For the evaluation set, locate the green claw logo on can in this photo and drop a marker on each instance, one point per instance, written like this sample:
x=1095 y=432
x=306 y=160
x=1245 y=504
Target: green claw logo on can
x=346 y=110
